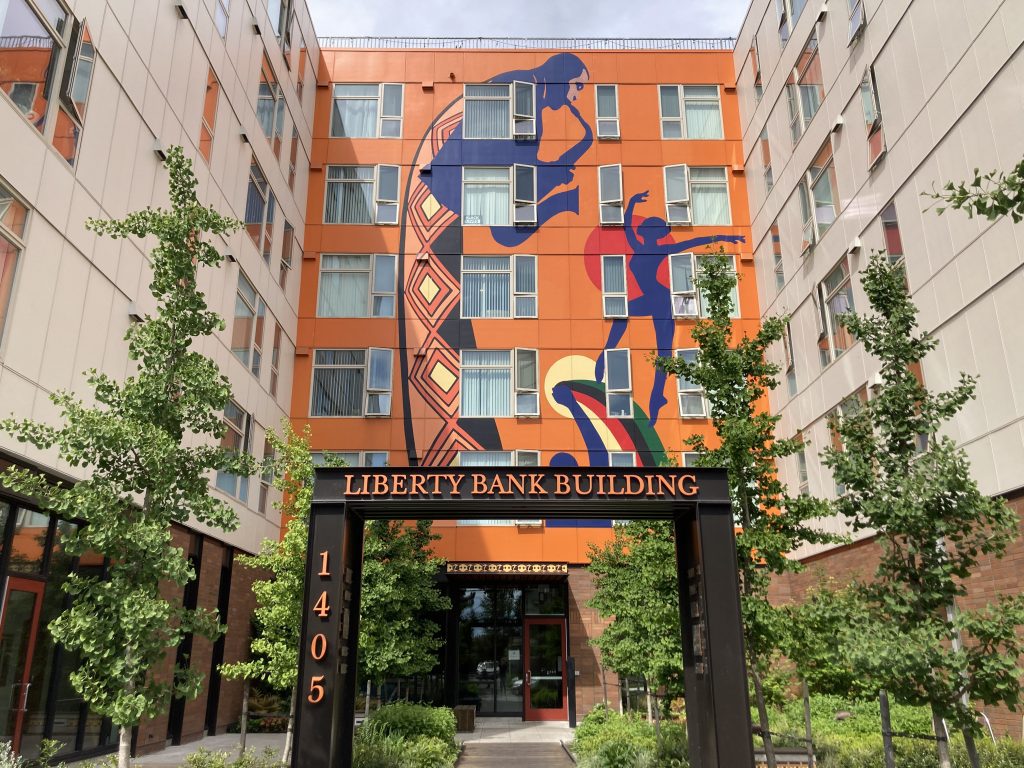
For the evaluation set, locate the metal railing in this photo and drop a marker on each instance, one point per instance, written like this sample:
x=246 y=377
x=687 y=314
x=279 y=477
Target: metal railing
x=528 y=43
x=26 y=41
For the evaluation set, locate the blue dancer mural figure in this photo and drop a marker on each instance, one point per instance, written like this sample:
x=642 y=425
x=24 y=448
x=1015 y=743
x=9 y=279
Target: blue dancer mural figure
x=558 y=83
x=655 y=299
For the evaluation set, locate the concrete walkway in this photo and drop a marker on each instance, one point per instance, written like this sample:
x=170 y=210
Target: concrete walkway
x=513 y=730
x=174 y=757
x=483 y=755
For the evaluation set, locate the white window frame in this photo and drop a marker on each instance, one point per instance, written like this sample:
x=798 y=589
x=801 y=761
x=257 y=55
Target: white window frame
x=787 y=20
x=511 y=107
x=725 y=182
x=515 y=388
x=606 y=294
x=812 y=231
x=682 y=391
x=735 y=313
x=367 y=390
x=612 y=455
x=524 y=201
x=240 y=490
x=599 y=119
x=524 y=124
x=371 y=294
x=681 y=100
x=693 y=294
x=381 y=117
x=514 y=291
x=628 y=391
x=778 y=263
x=683 y=201
x=378 y=198
x=17 y=241
x=222 y=9
x=874 y=127
x=688 y=459
x=509 y=171
x=258 y=308
x=518 y=459
x=858 y=21
x=360 y=458
x=825 y=312
x=607 y=201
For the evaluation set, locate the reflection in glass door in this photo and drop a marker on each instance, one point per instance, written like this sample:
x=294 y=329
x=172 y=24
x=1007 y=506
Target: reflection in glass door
x=18 y=627
x=545 y=670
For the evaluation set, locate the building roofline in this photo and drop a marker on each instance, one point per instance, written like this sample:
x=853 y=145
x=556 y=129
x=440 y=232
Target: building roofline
x=533 y=43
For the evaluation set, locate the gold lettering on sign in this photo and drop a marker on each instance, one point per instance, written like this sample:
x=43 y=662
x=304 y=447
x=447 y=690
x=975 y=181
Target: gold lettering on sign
x=579 y=485
x=561 y=485
x=380 y=485
x=634 y=485
x=497 y=489
x=316 y=689
x=650 y=485
x=479 y=484
x=688 y=485
x=612 y=490
x=418 y=485
x=666 y=485
x=536 y=487
x=398 y=486
x=518 y=483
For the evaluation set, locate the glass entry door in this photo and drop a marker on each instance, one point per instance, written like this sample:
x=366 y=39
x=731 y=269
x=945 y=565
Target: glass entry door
x=18 y=627
x=545 y=697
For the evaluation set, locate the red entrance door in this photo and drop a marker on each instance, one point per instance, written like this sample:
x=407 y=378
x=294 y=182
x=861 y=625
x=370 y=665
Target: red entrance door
x=19 y=626
x=545 y=697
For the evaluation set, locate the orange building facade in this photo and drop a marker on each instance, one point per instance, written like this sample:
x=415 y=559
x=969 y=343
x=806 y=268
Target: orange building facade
x=496 y=244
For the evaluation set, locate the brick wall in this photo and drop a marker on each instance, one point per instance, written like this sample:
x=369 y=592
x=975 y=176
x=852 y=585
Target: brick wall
x=992 y=577
x=584 y=625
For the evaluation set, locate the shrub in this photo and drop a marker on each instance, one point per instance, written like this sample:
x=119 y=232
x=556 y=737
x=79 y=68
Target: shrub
x=376 y=748
x=867 y=753
x=413 y=720
x=48 y=748
x=606 y=739
x=430 y=752
x=204 y=758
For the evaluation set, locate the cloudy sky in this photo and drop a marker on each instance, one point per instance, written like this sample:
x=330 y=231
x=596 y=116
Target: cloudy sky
x=524 y=18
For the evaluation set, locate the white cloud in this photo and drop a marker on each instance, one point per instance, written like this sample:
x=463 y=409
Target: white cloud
x=528 y=18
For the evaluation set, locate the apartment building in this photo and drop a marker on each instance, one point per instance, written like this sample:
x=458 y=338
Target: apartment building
x=851 y=111
x=93 y=91
x=496 y=242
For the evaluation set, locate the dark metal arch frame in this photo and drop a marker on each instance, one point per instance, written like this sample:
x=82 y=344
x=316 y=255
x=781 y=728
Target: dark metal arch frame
x=717 y=705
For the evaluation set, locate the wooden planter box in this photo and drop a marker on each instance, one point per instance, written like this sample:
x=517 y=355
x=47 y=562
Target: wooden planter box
x=465 y=718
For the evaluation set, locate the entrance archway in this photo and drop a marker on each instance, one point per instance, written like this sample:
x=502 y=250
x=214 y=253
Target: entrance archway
x=695 y=500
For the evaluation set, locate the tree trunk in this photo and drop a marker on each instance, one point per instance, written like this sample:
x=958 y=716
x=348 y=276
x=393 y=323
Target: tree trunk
x=657 y=720
x=243 y=724
x=972 y=748
x=942 y=740
x=887 y=748
x=286 y=754
x=604 y=685
x=762 y=716
x=647 y=694
x=124 y=752
x=808 y=733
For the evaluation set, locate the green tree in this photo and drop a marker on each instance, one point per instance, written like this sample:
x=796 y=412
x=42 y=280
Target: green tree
x=991 y=195
x=397 y=637
x=736 y=378
x=635 y=586
x=278 y=615
x=932 y=522
x=146 y=444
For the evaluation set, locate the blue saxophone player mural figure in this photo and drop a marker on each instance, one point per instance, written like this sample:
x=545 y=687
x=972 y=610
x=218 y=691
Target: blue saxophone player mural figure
x=655 y=299
x=557 y=85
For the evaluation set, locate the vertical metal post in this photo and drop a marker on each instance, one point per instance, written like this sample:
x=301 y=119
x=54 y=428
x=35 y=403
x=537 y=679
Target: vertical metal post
x=570 y=671
x=694 y=690
x=883 y=707
x=807 y=725
x=325 y=716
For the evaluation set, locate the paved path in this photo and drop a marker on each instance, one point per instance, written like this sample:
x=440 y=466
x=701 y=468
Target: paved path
x=477 y=754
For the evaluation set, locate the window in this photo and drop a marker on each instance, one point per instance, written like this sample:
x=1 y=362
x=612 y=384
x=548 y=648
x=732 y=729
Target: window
x=293 y=158
x=835 y=295
x=499 y=286
x=766 y=161
x=356 y=285
x=247 y=330
x=684 y=293
x=351 y=458
x=289 y=247
x=499 y=382
x=691 y=458
x=74 y=92
x=220 y=16
x=209 y=123
x=691 y=396
x=367 y=110
x=847 y=408
x=690 y=112
x=275 y=359
x=709 y=193
x=490 y=114
x=755 y=64
x=361 y=194
x=780 y=272
x=805 y=89
x=498 y=459
x=818 y=193
x=267 y=476
x=790 y=361
x=32 y=44
x=891 y=233
x=270 y=106
x=621 y=458
x=260 y=208
x=237 y=439
x=607 y=111
x=279 y=11
x=801 y=469
x=702 y=298
x=789 y=14
x=613 y=286
x=486 y=196
x=618 y=384
x=872 y=117
x=351 y=382
x=610 y=194
x=858 y=20
x=13 y=216
x=677 y=194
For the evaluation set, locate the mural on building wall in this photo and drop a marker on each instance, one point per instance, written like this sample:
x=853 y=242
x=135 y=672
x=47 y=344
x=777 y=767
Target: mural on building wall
x=432 y=241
